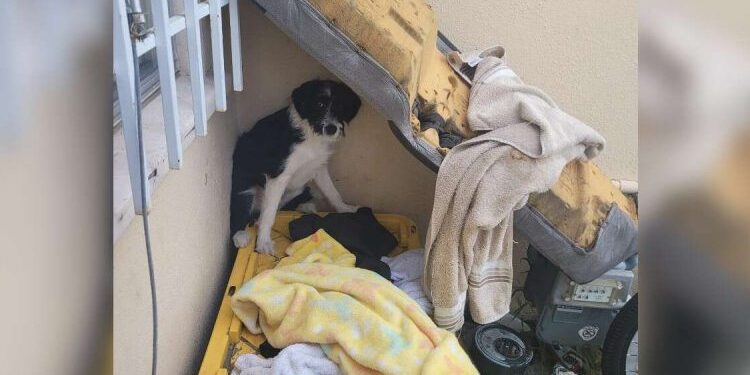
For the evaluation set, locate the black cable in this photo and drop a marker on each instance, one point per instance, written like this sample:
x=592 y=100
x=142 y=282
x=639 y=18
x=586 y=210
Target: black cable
x=146 y=233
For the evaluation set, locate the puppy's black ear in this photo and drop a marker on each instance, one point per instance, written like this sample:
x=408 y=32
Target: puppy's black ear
x=301 y=96
x=350 y=100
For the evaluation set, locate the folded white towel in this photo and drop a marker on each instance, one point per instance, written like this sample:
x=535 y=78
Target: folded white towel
x=406 y=273
x=298 y=359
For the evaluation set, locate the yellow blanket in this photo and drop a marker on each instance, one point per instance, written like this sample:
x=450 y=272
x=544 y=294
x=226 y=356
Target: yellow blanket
x=320 y=247
x=364 y=323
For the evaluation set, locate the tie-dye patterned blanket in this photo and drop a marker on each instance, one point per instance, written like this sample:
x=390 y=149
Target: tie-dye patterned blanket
x=364 y=323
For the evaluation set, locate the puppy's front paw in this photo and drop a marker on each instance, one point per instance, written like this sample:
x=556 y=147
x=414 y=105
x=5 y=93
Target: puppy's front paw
x=347 y=208
x=241 y=239
x=265 y=245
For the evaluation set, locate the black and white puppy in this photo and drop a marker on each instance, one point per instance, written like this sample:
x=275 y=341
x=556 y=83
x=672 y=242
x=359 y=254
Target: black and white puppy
x=284 y=151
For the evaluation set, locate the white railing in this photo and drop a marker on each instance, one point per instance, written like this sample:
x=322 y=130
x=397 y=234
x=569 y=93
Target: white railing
x=165 y=26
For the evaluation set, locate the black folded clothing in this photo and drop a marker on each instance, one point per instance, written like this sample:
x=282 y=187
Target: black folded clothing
x=373 y=264
x=358 y=232
x=266 y=350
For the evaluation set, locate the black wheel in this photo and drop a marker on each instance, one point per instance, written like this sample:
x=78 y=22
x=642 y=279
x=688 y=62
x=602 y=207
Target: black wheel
x=620 y=351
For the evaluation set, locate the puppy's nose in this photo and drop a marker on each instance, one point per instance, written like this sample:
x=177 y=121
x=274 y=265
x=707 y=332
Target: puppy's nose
x=330 y=129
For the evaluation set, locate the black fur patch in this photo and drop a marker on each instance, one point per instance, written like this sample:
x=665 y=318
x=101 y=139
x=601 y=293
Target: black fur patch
x=260 y=152
x=320 y=99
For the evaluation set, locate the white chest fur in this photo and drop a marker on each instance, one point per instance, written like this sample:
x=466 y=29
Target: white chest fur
x=308 y=160
x=305 y=161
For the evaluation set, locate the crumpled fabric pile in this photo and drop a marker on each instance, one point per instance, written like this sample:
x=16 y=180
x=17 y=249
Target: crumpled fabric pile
x=362 y=321
x=297 y=359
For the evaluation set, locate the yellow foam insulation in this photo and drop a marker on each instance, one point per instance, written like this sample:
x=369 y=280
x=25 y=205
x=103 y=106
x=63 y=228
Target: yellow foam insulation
x=442 y=88
x=431 y=135
x=401 y=35
x=579 y=202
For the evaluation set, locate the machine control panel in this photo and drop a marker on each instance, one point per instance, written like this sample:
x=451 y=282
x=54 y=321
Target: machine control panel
x=609 y=291
x=599 y=291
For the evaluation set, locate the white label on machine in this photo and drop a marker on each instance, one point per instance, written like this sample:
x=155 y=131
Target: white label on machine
x=599 y=291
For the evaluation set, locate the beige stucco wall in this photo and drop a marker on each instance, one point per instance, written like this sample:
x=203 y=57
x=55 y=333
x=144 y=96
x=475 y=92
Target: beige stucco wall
x=189 y=225
x=371 y=168
x=582 y=53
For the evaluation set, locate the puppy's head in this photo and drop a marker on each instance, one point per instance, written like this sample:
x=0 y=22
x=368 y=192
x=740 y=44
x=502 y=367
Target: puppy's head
x=327 y=106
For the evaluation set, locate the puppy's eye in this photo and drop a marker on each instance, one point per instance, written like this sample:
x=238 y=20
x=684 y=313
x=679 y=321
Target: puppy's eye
x=321 y=105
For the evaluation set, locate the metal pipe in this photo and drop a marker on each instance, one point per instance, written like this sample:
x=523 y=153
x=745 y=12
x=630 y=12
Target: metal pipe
x=134 y=6
x=137 y=32
x=137 y=20
x=626 y=186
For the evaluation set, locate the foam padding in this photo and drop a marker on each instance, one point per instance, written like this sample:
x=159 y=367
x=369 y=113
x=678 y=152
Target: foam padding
x=579 y=202
x=401 y=35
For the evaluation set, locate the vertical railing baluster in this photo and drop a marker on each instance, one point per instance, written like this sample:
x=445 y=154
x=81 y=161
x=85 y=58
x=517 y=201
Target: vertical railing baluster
x=124 y=76
x=165 y=60
x=217 y=49
x=234 y=27
x=195 y=54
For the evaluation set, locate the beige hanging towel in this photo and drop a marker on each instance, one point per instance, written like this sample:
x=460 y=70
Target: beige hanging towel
x=526 y=141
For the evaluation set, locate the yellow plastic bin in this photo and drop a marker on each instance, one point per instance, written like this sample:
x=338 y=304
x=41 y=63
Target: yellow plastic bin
x=229 y=338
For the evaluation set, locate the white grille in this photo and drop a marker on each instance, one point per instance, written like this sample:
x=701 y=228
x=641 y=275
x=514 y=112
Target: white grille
x=165 y=26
